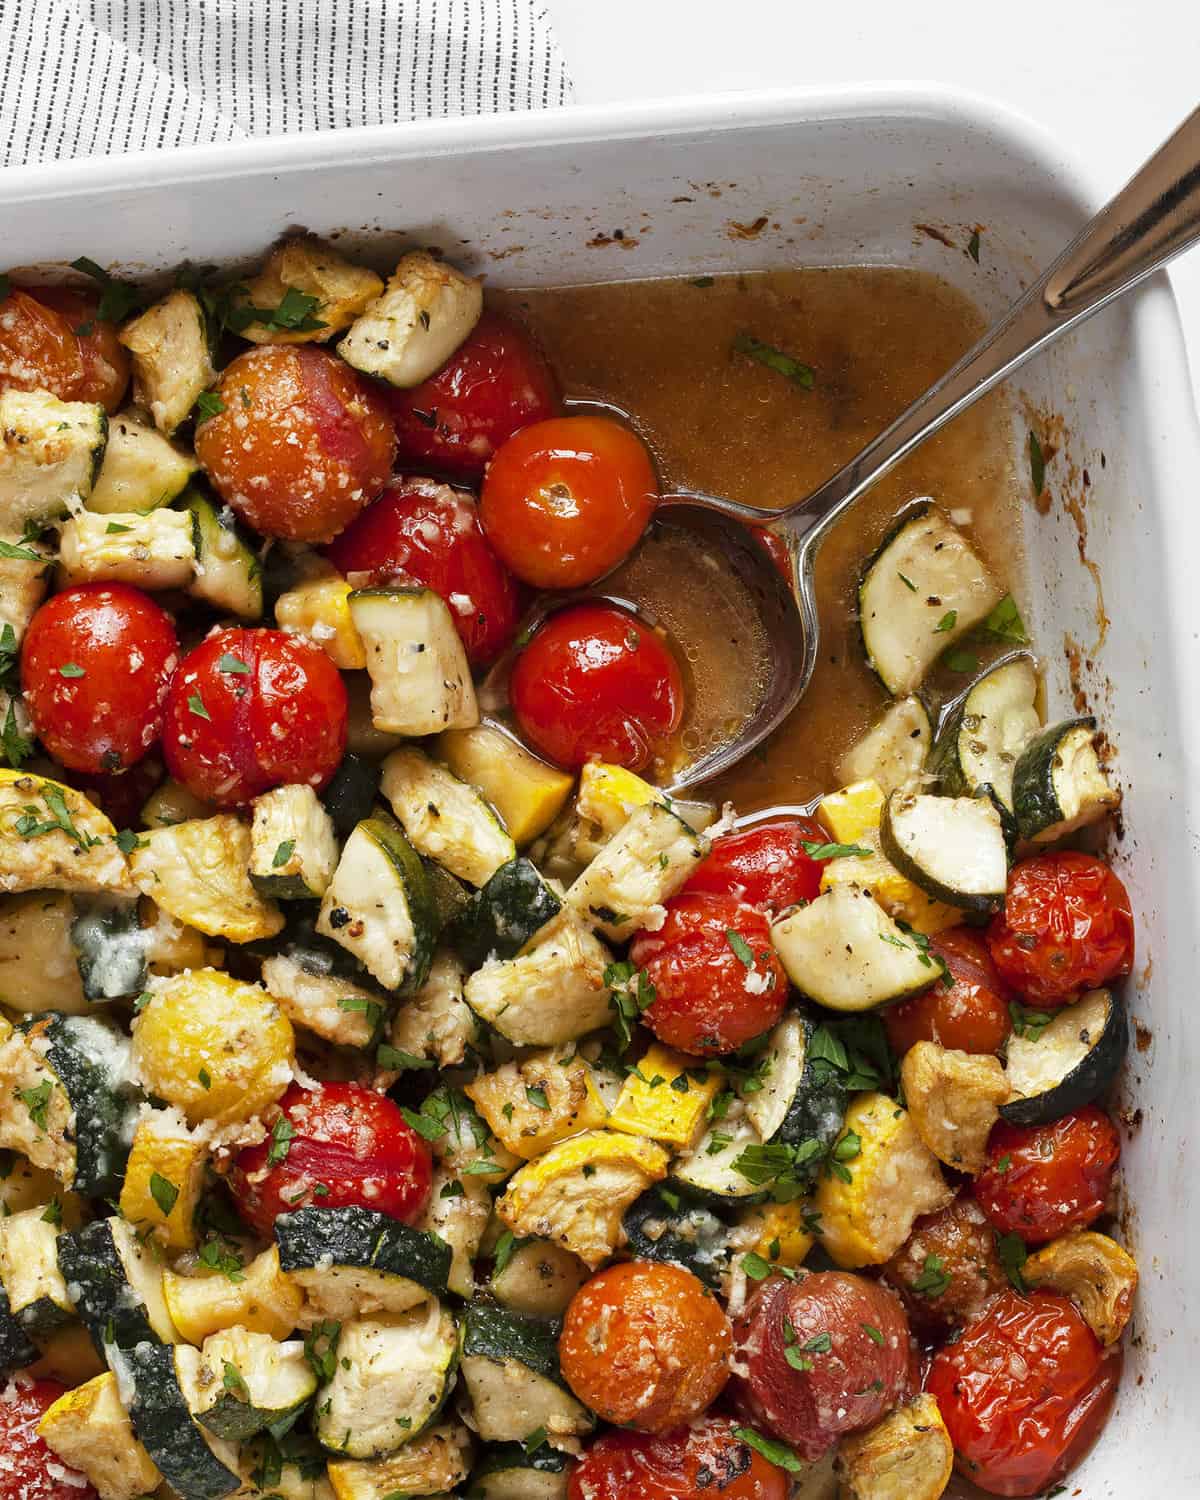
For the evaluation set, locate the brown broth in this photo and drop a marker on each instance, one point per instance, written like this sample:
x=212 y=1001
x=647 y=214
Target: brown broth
x=718 y=421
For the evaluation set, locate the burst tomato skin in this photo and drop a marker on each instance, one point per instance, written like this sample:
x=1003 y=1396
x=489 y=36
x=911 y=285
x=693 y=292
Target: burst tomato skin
x=646 y=1345
x=970 y=1015
x=702 y=1003
x=595 y=681
x=119 y=651
x=429 y=533
x=765 y=865
x=40 y=348
x=964 y=1246
x=350 y=1147
x=1066 y=927
x=29 y=1470
x=1024 y=1392
x=565 y=500
x=495 y=383
x=302 y=445
x=231 y=734
x=705 y=1460
x=1042 y=1180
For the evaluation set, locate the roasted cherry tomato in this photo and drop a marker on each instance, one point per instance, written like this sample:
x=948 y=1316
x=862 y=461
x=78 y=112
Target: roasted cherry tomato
x=822 y=1356
x=595 y=681
x=565 y=500
x=766 y=865
x=948 y=1267
x=493 y=385
x=646 y=1345
x=1066 y=927
x=253 y=709
x=336 y=1146
x=430 y=534
x=96 y=664
x=52 y=340
x=716 y=978
x=1023 y=1392
x=302 y=444
x=705 y=1460
x=968 y=1014
x=1042 y=1180
x=29 y=1470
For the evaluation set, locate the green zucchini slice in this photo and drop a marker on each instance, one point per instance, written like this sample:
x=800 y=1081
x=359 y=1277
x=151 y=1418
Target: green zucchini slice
x=665 y=1225
x=141 y=469
x=894 y=750
x=644 y=863
x=445 y=819
x=817 y=1107
x=160 y=1385
x=351 y=795
x=709 y=1171
x=508 y=1472
x=450 y=895
x=117 y=1284
x=247 y=1381
x=51 y=451
x=952 y=847
x=982 y=739
x=110 y=952
x=16 y=1348
x=228 y=572
x=293 y=848
x=420 y=678
x=538 y=1278
x=354 y=1262
x=499 y=919
x=1059 y=784
x=37 y=1294
x=1071 y=1062
x=510 y=1368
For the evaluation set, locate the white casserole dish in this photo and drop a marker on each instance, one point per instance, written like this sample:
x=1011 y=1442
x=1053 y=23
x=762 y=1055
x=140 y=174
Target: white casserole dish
x=843 y=178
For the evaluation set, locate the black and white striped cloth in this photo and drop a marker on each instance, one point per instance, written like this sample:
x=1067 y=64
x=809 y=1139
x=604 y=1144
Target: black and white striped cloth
x=103 y=77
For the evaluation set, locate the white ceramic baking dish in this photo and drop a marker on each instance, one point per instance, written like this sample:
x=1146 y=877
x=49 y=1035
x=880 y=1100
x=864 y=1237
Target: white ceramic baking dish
x=842 y=177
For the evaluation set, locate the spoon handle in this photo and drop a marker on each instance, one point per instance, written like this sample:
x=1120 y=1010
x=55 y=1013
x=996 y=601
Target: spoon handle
x=1154 y=217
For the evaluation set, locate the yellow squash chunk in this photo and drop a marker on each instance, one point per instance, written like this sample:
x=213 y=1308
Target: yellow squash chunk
x=954 y=1099
x=217 y=1048
x=780 y=1236
x=165 y=1172
x=852 y=812
x=534 y=1103
x=608 y=794
x=432 y=1463
x=199 y=872
x=899 y=897
x=527 y=793
x=68 y=1356
x=318 y=609
x=309 y=266
x=89 y=1429
x=264 y=1300
x=907 y=1456
x=46 y=1136
x=1095 y=1272
x=894 y=1178
x=661 y=1102
x=25 y=1186
x=52 y=838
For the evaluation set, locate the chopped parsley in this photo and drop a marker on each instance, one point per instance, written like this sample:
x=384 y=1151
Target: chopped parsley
x=948 y=621
x=320 y=1349
x=37 y=1102
x=816 y=850
x=196 y=706
x=1005 y=623
x=961 y=661
x=1013 y=1255
x=11 y=552
x=1037 y=464
x=1028 y=1024
x=282 y=1134
x=231 y=663
x=755 y=1267
x=164 y=1193
x=70 y=669
x=906 y=581
x=117 y=298
x=394 y=1059
x=232 y=1380
x=933 y=1280
x=208 y=404
x=741 y=948
x=775 y=359
x=283 y=852
x=774 y=1452
x=537 y=1097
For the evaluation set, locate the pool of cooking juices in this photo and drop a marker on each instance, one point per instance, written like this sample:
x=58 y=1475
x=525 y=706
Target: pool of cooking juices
x=401 y=1092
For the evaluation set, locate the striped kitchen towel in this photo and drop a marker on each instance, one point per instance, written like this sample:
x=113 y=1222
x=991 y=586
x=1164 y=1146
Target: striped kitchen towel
x=101 y=77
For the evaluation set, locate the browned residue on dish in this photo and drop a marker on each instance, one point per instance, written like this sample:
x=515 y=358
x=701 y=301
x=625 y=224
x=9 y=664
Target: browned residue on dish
x=1075 y=667
x=747 y=231
x=1142 y=1036
x=934 y=233
x=620 y=237
x=505 y=253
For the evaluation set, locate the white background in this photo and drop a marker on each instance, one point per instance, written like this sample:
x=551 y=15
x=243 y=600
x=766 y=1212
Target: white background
x=1111 y=78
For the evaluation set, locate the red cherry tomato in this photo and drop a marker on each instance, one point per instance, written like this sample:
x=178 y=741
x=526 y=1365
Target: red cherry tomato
x=969 y=1015
x=349 y=1147
x=29 y=1470
x=493 y=385
x=595 y=681
x=965 y=1272
x=565 y=500
x=765 y=865
x=1024 y=1392
x=96 y=663
x=716 y=978
x=253 y=709
x=1042 y=1180
x=41 y=347
x=1067 y=926
x=431 y=533
x=705 y=1460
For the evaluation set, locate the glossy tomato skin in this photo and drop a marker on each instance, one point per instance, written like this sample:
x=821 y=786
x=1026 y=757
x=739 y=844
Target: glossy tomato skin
x=1024 y=1392
x=231 y=734
x=1042 y=1180
x=303 y=444
x=349 y=1147
x=1066 y=927
x=707 y=1000
x=41 y=349
x=118 y=651
x=851 y=1383
x=765 y=865
x=495 y=383
x=595 y=681
x=705 y=1460
x=428 y=533
x=646 y=1345
x=965 y=1271
x=969 y=1015
x=565 y=500
x=29 y=1470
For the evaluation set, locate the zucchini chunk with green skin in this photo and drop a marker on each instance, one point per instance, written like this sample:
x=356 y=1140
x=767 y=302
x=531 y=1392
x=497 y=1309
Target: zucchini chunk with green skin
x=89 y=1430
x=430 y=1465
x=118 y=1285
x=36 y=1117
x=228 y=574
x=336 y=1009
x=709 y=1172
x=263 y=1300
x=162 y=1384
x=16 y=1348
x=458 y=1212
x=38 y=969
x=539 y=1278
x=378 y=906
x=141 y=469
x=50 y=454
x=1072 y=1062
x=953 y=1099
x=507 y=1472
x=844 y=951
x=893 y=751
x=1095 y=1272
x=508 y=912
x=355 y=1262
x=450 y=895
x=171 y=360
x=420 y=679
x=293 y=848
x=921 y=591
x=436 y=1024
x=817 y=1106
x=198 y=872
x=665 y=1225
x=37 y=1294
x=350 y=796
x=980 y=744
x=780 y=1076
x=148 y=552
x=248 y=1381
x=444 y=818
x=416 y=323
x=642 y=865
x=110 y=952
x=553 y=992
x=952 y=847
x=527 y=793
x=390 y=1381
x=510 y=1368
x=1059 y=785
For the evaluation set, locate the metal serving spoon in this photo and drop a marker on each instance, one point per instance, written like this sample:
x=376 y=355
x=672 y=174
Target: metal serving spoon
x=1152 y=219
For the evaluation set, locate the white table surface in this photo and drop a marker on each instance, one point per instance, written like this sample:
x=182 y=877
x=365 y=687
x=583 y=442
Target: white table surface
x=1112 y=78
